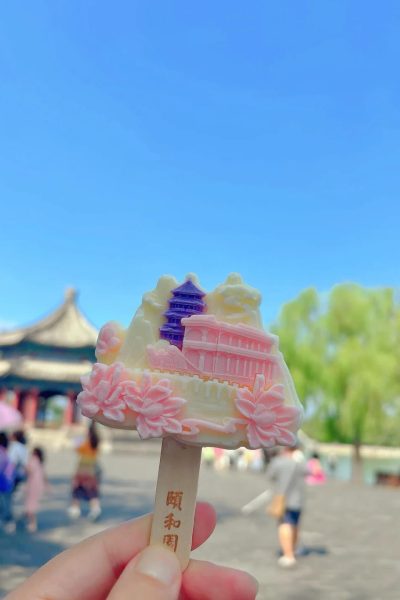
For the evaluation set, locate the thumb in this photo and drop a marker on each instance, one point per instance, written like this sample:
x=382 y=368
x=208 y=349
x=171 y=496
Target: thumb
x=154 y=574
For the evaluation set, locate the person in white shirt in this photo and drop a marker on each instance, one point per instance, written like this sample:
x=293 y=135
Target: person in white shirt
x=288 y=471
x=18 y=455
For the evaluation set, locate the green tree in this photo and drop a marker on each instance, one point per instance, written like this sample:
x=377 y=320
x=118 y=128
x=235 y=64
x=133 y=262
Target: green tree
x=342 y=350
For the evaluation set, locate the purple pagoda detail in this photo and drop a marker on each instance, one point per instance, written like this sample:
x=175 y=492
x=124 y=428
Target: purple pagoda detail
x=187 y=300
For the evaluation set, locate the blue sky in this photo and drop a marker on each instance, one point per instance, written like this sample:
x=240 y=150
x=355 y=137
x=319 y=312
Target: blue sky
x=143 y=138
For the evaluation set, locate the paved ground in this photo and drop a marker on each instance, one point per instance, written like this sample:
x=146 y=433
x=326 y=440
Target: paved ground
x=351 y=533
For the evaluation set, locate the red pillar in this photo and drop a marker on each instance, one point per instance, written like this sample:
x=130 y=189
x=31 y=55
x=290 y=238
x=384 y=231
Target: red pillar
x=15 y=402
x=31 y=406
x=69 y=409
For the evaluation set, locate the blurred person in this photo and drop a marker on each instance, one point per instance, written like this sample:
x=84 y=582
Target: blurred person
x=244 y=459
x=332 y=464
x=232 y=456
x=6 y=486
x=35 y=486
x=86 y=481
x=316 y=474
x=221 y=460
x=298 y=455
x=19 y=455
x=208 y=456
x=268 y=455
x=288 y=474
x=257 y=460
x=118 y=564
x=238 y=457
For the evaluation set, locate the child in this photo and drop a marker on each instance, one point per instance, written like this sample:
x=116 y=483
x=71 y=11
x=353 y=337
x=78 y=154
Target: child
x=316 y=474
x=35 y=486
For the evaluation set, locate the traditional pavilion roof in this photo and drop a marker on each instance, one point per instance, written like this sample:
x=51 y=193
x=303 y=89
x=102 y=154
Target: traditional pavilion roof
x=66 y=327
x=55 y=351
x=188 y=287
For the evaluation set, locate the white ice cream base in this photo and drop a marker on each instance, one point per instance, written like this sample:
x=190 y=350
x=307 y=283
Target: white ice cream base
x=206 y=400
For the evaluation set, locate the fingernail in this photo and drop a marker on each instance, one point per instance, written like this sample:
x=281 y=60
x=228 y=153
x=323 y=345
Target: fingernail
x=159 y=563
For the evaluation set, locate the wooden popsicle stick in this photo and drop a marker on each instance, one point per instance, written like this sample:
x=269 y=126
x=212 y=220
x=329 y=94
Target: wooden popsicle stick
x=175 y=500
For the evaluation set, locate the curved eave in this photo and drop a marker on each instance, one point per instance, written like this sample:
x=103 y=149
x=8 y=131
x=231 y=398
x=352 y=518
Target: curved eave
x=66 y=327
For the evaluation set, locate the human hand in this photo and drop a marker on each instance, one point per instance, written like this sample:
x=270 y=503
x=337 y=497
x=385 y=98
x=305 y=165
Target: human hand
x=117 y=564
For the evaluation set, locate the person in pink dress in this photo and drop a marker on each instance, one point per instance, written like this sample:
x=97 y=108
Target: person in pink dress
x=35 y=486
x=316 y=474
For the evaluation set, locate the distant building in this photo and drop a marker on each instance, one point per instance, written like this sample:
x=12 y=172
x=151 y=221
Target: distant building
x=47 y=359
x=219 y=350
x=187 y=300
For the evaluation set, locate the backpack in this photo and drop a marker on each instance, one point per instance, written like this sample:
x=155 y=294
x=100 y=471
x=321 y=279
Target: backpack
x=6 y=473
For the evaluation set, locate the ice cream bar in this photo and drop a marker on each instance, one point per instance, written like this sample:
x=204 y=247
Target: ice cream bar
x=196 y=369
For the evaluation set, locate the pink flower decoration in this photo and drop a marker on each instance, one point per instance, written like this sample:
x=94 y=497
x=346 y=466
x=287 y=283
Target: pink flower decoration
x=103 y=391
x=156 y=408
x=269 y=422
x=108 y=339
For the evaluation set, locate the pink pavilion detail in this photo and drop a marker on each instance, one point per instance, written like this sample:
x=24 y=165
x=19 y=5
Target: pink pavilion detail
x=214 y=349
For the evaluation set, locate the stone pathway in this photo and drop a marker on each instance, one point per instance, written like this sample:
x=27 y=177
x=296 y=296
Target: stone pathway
x=350 y=533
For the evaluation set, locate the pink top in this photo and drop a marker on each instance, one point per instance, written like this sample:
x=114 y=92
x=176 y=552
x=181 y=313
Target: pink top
x=35 y=485
x=316 y=474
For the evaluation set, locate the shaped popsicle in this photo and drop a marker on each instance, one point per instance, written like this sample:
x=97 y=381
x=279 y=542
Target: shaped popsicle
x=198 y=370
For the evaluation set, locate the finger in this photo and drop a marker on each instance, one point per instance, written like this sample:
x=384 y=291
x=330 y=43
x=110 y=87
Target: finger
x=90 y=569
x=205 y=519
x=205 y=581
x=155 y=574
